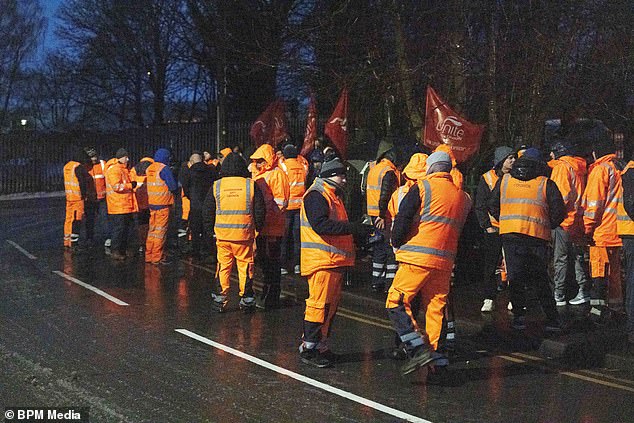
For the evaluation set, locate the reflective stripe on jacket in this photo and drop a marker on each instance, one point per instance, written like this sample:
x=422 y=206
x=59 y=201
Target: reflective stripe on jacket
x=71 y=183
x=625 y=225
x=234 y=208
x=491 y=178
x=443 y=211
x=119 y=194
x=325 y=251
x=600 y=202
x=373 y=187
x=157 y=190
x=98 y=173
x=140 y=192
x=296 y=173
x=524 y=207
x=569 y=174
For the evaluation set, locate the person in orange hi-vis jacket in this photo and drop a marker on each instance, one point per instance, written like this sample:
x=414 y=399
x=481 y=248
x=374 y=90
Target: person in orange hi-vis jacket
x=383 y=179
x=97 y=170
x=296 y=173
x=625 y=226
x=121 y=203
x=77 y=183
x=140 y=192
x=599 y=203
x=327 y=249
x=234 y=210
x=426 y=255
x=161 y=186
x=569 y=174
x=503 y=159
x=273 y=183
x=456 y=175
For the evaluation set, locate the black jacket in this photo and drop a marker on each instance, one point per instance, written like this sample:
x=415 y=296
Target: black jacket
x=628 y=195
x=388 y=186
x=526 y=170
x=481 y=207
x=196 y=183
x=318 y=215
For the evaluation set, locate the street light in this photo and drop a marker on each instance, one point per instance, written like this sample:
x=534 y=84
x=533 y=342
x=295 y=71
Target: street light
x=23 y=122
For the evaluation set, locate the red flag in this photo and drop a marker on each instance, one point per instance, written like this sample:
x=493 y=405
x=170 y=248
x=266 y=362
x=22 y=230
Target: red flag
x=336 y=127
x=311 y=128
x=444 y=126
x=270 y=126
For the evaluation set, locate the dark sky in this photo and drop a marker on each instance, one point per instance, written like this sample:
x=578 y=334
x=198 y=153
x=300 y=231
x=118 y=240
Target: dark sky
x=49 y=8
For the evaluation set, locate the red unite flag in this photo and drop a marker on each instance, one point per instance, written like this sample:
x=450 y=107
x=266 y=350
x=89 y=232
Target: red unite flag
x=270 y=126
x=444 y=126
x=311 y=128
x=337 y=125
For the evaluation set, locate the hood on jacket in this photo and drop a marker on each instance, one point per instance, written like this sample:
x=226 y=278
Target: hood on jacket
x=447 y=149
x=162 y=155
x=233 y=165
x=526 y=169
x=266 y=152
x=578 y=164
x=199 y=167
x=416 y=168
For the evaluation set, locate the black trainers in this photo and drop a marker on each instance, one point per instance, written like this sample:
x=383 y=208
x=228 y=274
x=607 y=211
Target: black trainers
x=420 y=357
x=377 y=287
x=314 y=358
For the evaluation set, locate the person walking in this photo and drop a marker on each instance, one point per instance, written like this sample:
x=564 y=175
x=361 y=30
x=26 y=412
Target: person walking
x=528 y=206
x=503 y=160
x=425 y=253
x=161 y=186
x=569 y=174
x=273 y=183
x=383 y=179
x=234 y=210
x=296 y=173
x=327 y=249
x=76 y=186
x=600 y=225
x=121 y=203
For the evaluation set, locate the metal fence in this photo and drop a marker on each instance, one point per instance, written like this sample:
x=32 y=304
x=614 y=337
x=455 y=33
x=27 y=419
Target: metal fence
x=32 y=161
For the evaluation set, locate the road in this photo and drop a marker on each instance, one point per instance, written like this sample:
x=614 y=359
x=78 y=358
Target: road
x=141 y=343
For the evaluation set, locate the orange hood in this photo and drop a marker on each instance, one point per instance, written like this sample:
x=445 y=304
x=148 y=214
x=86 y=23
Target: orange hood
x=266 y=152
x=415 y=169
x=578 y=164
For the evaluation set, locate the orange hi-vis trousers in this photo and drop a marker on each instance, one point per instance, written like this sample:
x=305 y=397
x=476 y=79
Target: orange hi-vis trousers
x=242 y=254
x=605 y=268
x=157 y=235
x=324 y=293
x=433 y=284
x=74 y=216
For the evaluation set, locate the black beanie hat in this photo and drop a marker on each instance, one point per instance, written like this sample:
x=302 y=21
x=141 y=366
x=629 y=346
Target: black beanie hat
x=121 y=153
x=332 y=168
x=290 y=151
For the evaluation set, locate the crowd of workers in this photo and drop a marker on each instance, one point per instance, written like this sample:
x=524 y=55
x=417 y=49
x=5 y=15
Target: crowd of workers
x=287 y=213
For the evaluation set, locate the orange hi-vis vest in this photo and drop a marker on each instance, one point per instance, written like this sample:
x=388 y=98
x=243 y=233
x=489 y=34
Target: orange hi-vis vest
x=141 y=189
x=600 y=202
x=321 y=252
x=296 y=179
x=71 y=183
x=491 y=178
x=524 y=207
x=274 y=187
x=98 y=173
x=234 y=209
x=375 y=180
x=119 y=193
x=157 y=191
x=625 y=225
x=443 y=211
x=570 y=177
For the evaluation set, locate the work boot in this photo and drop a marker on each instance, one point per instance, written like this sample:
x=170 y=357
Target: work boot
x=247 y=304
x=271 y=296
x=313 y=357
x=397 y=352
x=219 y=303
x=419 y=357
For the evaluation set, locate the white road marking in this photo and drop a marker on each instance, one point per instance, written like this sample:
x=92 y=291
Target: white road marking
x=92 y=288
x=22 y=250
x=364 y=401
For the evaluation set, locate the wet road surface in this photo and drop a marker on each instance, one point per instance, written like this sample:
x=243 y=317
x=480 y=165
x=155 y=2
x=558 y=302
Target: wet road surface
x=165 y=356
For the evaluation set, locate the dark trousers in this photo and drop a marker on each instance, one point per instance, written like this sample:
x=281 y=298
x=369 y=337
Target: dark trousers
x=268 y=258
x=200 y=237
x=490 y=258
x=527 y=267
x=91 y=213
x=121 y=224
x=628 y=252
x=290 y=243
x=384 y=263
